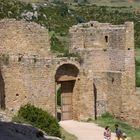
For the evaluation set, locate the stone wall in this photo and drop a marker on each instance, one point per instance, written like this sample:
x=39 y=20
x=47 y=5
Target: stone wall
x=100 y=92
x=101 y=35
x=105 y=77
x=23 y=51
x=30 y=81
x=21 y=37
x=26 y=82
x=115 y=94
x=108 y=59
x=27 y=67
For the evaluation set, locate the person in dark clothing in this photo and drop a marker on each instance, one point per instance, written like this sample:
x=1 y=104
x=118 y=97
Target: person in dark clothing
x=118 y=132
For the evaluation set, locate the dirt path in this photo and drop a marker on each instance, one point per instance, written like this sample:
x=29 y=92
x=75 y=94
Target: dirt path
x=84 y=131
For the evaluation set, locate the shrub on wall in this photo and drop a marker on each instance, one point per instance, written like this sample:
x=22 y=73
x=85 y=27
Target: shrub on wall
x=40 y=119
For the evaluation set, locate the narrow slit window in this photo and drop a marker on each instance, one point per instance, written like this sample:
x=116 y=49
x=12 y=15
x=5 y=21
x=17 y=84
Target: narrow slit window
x=112 y=80
x=106 y=39
x=20 y=57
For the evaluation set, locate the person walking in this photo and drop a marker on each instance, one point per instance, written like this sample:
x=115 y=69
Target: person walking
x=118 y=132
x=107 y=133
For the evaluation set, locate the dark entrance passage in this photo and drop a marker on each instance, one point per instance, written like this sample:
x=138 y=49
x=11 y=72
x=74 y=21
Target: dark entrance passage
x=65 y=77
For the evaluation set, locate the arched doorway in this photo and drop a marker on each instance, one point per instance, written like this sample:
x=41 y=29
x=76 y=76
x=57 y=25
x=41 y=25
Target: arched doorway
x=65 y=77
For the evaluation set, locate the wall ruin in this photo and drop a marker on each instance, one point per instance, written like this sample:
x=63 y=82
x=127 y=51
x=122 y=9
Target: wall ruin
x=104 y=81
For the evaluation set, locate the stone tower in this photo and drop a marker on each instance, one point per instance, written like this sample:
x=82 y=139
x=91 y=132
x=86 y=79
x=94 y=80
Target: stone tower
x=108 y=63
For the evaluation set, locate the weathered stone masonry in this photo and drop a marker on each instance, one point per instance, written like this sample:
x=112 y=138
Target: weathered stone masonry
x=103 y=81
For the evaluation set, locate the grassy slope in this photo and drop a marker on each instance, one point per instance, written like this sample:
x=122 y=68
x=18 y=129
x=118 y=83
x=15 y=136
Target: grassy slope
x=133 y=3
x=108 y=120
x=67 y=136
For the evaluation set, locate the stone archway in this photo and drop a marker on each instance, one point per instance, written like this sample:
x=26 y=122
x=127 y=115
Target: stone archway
x=66 y=76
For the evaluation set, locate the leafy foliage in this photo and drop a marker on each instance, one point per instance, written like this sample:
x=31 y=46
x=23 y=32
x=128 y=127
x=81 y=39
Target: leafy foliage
x=57 y=45
x=138 y=70
x=39 y=118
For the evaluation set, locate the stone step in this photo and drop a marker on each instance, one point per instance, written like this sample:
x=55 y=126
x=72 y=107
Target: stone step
x=5 y=115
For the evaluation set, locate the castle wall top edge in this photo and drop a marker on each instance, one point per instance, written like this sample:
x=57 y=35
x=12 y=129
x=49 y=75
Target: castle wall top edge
x=97 y=25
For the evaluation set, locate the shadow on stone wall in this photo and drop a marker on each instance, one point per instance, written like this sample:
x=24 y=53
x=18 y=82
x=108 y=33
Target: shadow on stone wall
x=2 y=92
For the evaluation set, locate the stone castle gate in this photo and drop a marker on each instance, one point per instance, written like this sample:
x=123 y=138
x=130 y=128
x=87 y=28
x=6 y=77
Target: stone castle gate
x=66 y=76
x=103 y=81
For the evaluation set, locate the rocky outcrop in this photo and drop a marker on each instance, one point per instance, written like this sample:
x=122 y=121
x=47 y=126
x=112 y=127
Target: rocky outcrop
x=14 y=131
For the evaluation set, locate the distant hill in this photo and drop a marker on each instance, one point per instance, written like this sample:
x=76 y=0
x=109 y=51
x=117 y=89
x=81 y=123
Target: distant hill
x=92 y=1
x=134 y=3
